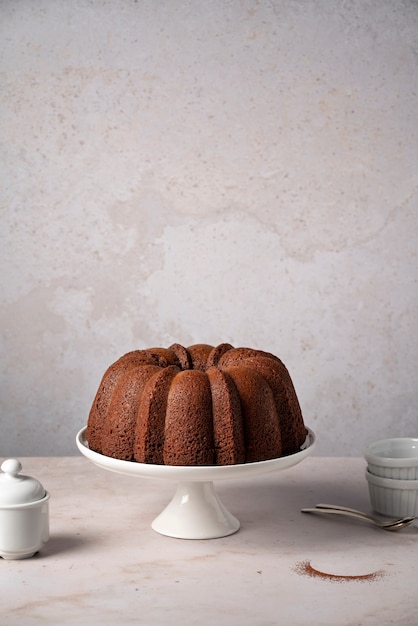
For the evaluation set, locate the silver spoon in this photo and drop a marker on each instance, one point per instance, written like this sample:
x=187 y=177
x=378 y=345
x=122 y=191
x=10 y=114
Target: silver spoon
x=394 y=524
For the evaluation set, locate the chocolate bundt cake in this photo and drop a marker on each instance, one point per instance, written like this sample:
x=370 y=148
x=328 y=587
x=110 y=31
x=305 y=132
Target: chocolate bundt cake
x=201 y=405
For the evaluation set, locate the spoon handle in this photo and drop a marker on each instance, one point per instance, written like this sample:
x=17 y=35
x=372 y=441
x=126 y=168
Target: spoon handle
x=341 y=508
x=336 y=511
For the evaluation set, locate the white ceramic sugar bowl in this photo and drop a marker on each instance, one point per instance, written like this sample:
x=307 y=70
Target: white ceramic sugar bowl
x=24 y=513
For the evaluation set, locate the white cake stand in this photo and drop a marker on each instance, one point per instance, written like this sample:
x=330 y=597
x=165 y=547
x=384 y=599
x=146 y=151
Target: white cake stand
x=195 y=512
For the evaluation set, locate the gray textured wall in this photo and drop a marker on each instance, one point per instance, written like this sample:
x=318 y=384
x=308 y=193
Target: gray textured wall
x=197 y=171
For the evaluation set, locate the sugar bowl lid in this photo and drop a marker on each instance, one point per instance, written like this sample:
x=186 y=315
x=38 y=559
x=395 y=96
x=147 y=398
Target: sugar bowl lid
x=16 y=488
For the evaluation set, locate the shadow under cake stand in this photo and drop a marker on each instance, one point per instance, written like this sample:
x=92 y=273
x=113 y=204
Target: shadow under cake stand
x=195 y=512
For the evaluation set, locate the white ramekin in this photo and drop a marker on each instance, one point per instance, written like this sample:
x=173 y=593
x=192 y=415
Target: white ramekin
x=393 y=458
x=395 y=498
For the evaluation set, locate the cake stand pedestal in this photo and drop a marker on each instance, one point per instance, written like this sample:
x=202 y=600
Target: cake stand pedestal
x=195 y=512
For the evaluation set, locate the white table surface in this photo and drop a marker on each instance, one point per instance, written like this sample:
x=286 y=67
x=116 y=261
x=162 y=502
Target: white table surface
x=105 y=565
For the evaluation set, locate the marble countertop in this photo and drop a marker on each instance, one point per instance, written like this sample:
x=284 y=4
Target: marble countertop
x=105 y=565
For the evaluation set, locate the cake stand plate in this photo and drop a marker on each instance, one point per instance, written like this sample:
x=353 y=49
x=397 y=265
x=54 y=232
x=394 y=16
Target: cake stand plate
x=195 y=512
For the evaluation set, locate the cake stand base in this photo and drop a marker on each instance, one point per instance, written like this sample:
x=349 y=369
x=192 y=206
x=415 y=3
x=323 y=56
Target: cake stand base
x=195 y=512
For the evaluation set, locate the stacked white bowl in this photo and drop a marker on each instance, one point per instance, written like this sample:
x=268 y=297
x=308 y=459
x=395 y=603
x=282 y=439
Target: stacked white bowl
x=392 y=476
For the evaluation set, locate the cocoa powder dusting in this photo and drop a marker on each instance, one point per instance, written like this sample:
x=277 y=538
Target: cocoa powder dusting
x=305 y=568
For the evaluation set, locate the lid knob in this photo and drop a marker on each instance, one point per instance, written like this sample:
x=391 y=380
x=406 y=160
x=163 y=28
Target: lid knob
x=11 y=467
